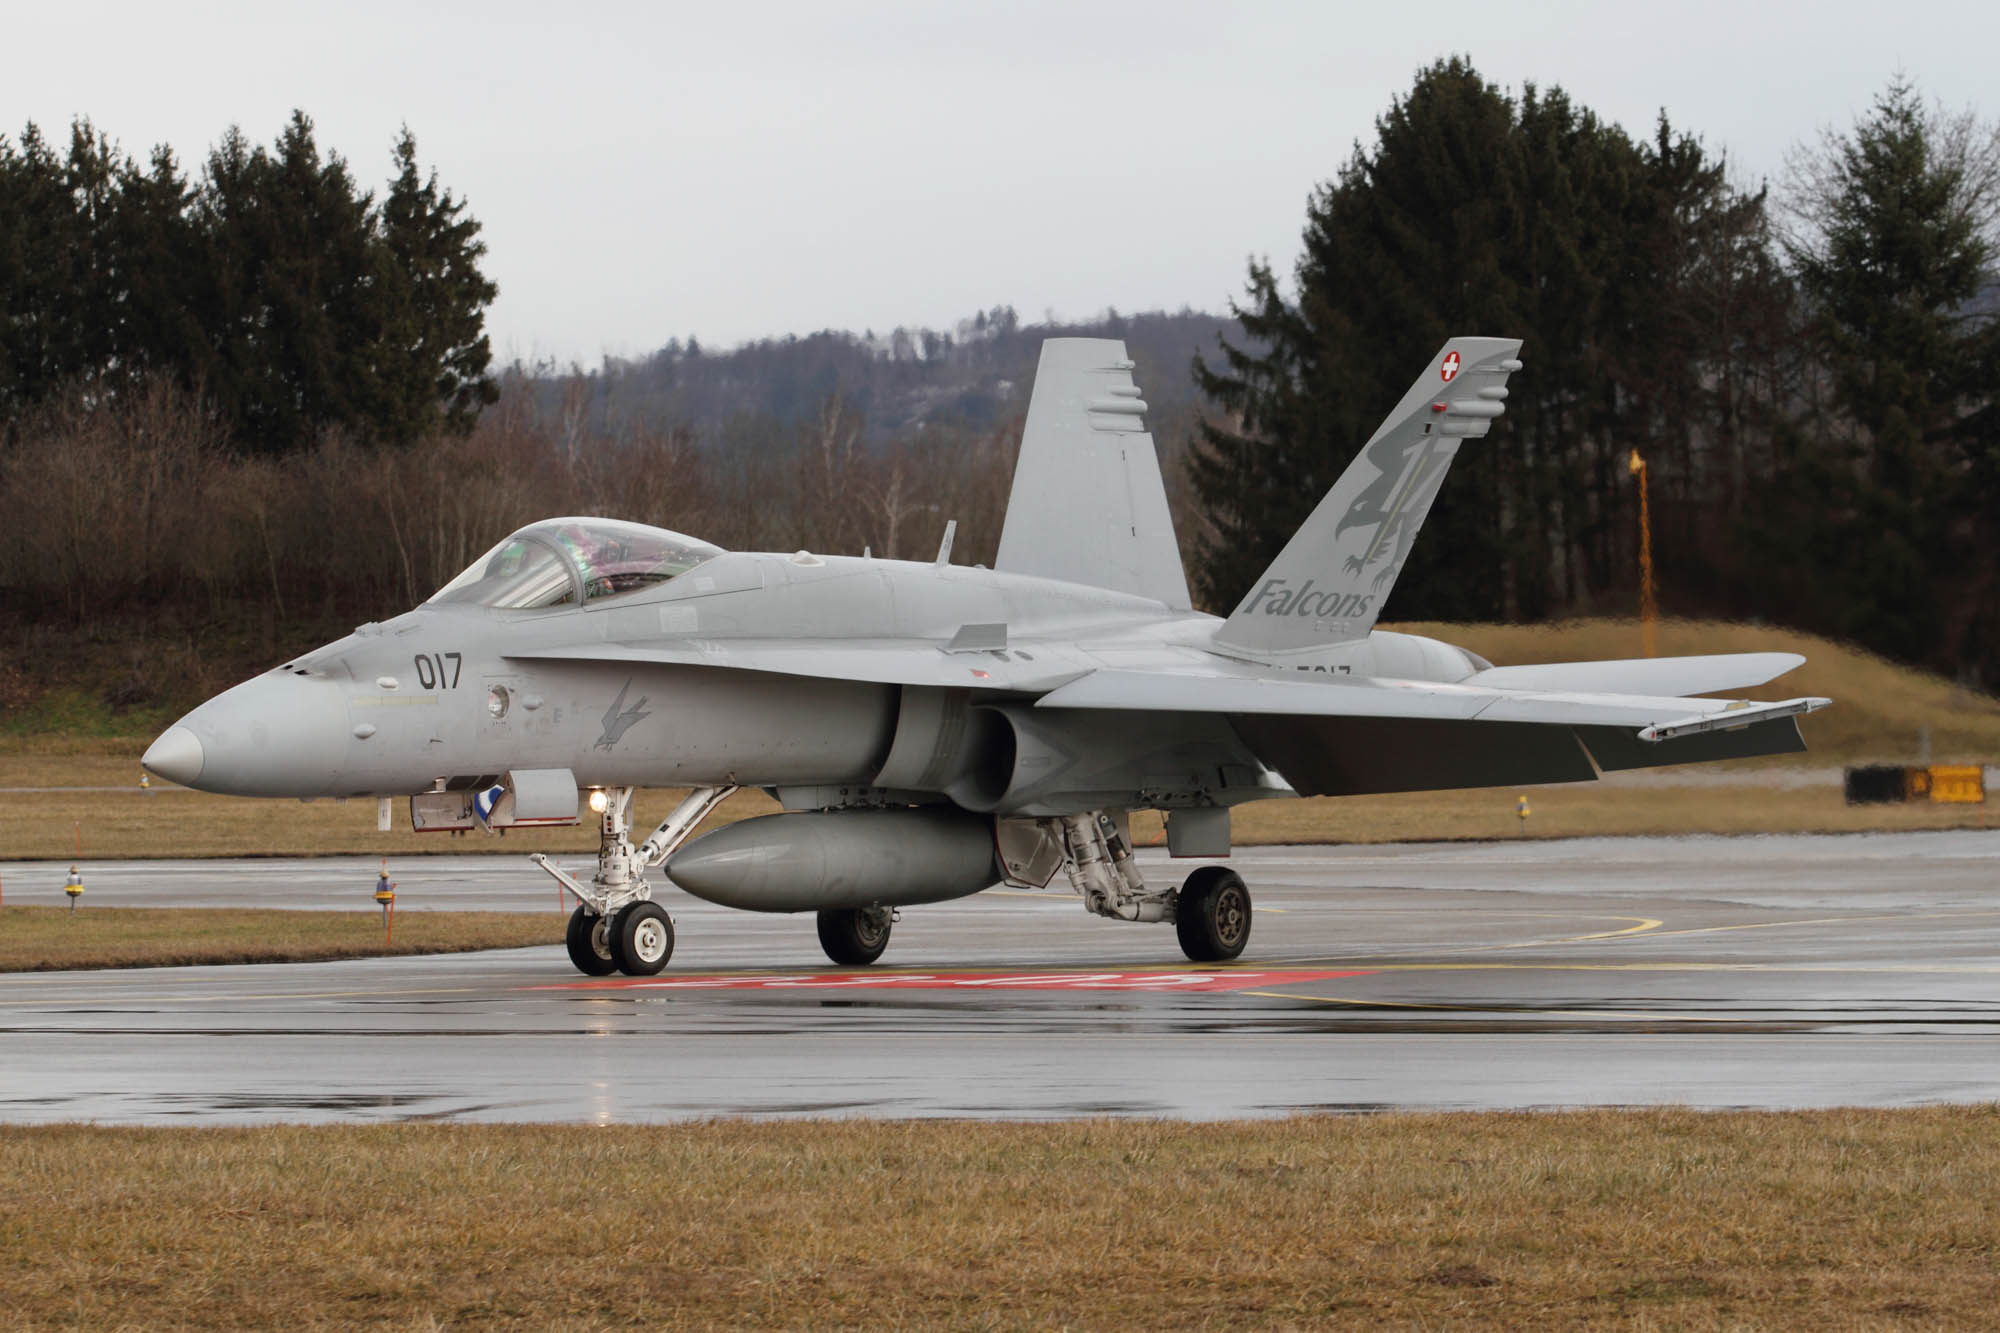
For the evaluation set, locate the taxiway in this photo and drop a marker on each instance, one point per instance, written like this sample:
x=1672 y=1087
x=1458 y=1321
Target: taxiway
x=1776 y=972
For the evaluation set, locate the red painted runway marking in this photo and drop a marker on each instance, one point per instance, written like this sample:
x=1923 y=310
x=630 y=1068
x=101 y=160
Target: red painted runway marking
x=1232 y=980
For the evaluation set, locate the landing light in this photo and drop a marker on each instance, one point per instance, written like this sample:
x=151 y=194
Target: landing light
x=598 y=800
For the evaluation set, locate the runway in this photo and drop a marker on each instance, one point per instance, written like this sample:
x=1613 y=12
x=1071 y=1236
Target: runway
x=1767 y=972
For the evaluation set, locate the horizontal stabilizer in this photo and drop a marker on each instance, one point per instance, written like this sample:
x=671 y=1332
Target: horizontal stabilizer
x=1645 y=675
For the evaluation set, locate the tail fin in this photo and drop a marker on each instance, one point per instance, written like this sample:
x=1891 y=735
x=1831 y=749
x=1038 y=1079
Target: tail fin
x=1088 y=505
x=1328 y=585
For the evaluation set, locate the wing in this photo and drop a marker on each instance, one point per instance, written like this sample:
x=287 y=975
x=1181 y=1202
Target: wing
x=882 y=662
x=1219 y=692
x=1344 y=737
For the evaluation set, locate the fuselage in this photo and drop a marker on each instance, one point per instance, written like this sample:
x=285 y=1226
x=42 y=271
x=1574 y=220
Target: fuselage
x=459 y=694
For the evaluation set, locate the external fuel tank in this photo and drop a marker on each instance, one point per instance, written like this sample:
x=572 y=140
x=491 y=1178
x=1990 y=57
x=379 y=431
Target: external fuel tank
x=812 y=861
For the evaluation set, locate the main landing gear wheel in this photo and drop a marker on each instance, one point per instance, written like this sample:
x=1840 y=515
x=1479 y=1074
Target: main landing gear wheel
x=1213 y=915
x=642 y=939
x=589 y=944
x=854 y=936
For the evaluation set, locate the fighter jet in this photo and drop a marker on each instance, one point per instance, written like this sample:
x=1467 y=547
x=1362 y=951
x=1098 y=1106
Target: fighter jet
x=932 y=730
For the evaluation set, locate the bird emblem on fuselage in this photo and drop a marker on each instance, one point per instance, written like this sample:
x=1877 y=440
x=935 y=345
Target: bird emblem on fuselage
x=618 y=719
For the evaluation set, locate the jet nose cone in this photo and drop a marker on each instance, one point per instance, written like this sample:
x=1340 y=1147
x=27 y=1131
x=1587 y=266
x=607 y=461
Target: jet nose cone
x=175 y=756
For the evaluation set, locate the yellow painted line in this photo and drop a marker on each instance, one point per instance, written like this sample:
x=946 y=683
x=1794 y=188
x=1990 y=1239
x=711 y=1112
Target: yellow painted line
x=1830 y=921
x=1650 y=1016
x=1645 y=924
x=1642 y=924
x=1648 y=927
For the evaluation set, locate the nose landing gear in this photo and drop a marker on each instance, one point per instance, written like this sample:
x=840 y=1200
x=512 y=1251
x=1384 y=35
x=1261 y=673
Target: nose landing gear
x=616 y=926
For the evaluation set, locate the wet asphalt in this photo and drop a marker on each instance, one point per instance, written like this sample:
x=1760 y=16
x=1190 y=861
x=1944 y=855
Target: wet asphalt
x=1713 y=972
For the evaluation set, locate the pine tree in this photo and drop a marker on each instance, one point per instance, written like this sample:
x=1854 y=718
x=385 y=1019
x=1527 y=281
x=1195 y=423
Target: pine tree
x=429 y=362
x=1473 y=212
x=290 y=308
x=157 y=256
x=56 y=281
x=1891 y=253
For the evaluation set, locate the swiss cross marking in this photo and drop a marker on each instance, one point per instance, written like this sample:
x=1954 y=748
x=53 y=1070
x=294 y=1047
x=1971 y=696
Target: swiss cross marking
x=1450 y=366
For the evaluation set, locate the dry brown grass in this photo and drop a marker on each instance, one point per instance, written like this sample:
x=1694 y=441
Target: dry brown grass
x=43 y=939
x=173 y=822
x=1605 y=1219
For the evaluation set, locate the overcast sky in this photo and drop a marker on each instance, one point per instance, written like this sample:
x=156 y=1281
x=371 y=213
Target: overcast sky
x=734 y=169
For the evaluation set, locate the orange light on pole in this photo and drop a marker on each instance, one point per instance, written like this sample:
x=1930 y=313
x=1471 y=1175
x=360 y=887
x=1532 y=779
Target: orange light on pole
x=1649 y=609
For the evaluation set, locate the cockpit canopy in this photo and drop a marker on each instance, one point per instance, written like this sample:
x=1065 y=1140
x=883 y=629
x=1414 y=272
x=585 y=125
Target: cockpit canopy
x=565 y=561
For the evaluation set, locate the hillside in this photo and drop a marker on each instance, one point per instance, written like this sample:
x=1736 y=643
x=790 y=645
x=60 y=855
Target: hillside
x=1879 y=709
x=972 y=377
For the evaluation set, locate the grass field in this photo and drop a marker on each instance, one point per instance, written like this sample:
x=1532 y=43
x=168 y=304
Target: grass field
x=164 y=822
x=42 y=939
x=1624 y=1220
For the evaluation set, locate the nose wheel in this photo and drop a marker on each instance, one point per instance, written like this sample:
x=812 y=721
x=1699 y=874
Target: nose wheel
x=642 y=939
x=590 y=944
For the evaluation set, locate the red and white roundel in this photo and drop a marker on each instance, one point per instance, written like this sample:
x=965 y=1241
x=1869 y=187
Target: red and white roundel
x=1450 y=366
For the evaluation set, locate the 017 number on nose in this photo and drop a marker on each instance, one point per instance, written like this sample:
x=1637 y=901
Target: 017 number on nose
x=431 y=673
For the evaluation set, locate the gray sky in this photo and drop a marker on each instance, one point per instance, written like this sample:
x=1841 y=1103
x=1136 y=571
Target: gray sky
x=733 y=169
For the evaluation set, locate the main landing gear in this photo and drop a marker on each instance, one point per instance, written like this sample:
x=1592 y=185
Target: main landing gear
x=1210 y=911
x=855 y=936
x=1212 y=916
x=616 y=926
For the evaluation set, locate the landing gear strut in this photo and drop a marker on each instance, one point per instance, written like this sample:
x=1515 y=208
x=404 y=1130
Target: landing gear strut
x=1210 y=912
x=616 y=926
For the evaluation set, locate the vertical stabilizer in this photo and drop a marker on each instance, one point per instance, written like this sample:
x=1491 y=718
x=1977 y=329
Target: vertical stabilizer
x=1088 y=505
x=1328 y=585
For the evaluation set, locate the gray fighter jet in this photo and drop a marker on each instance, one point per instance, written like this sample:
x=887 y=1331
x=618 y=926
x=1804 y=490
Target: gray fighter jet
x=933 y=730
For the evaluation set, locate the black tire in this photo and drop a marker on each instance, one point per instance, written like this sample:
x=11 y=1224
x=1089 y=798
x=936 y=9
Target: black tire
x=1213 y=915
x=854 y=936
x=589 y=948
x=642 y=939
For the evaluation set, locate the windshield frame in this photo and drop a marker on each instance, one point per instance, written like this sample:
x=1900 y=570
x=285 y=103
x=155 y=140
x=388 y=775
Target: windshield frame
x=478 y=572
x=577 y=545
